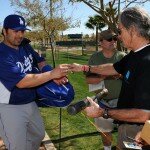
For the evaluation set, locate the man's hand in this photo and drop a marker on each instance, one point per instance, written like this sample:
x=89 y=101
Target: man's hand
x=60 y=71
x=139 y=140
x=93 y=110
x=76 y=67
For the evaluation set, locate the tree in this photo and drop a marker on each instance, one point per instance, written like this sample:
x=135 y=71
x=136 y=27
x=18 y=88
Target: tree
x=86 y=37
x=37 y=15
x=97 y=23
x=101 y=7
x=44 y=17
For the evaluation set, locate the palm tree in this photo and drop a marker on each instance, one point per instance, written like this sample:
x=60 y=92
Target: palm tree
x=96 y=22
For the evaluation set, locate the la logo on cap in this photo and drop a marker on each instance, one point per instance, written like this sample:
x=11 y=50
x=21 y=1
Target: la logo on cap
x=21 y=21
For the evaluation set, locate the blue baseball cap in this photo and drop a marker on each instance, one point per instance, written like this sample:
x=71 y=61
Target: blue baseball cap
x=51 y=94
x=15 y=22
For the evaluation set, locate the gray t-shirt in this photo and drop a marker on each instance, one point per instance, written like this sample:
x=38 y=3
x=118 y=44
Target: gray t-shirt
x=113 y=86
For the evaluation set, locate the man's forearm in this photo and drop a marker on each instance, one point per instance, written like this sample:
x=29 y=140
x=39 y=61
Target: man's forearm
x=33 y=80
x=105 y=69
x=130 y=115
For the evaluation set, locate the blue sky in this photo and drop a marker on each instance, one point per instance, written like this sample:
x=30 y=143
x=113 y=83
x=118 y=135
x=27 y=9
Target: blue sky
x=79 y=12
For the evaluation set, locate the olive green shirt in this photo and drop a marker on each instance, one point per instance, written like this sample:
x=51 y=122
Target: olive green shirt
x=113 y=86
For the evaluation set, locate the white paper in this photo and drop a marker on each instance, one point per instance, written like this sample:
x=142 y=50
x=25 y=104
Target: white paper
x=95 y=87
x=131 y=145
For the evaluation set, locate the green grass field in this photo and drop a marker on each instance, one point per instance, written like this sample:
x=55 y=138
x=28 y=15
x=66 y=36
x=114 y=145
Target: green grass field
x=72 y=126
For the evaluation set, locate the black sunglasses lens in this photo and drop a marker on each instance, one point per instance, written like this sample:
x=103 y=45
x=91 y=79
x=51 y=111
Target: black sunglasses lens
x=110 y=39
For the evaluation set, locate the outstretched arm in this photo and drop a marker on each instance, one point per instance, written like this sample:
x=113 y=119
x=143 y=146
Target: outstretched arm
x=32 y=80
x=105 y=69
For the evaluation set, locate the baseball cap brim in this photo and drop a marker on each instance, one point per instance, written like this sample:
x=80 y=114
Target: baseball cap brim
x=20 y=29
x=106 y=34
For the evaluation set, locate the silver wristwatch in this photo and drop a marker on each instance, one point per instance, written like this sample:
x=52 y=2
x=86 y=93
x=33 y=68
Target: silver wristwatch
x=105 y=114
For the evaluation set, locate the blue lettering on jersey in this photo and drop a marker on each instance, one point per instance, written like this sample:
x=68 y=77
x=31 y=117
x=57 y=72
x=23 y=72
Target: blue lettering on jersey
x=26 y=65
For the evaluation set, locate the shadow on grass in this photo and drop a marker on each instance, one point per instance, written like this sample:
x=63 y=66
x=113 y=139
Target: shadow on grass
x=78 y=136
x=75 y=136
x=72 y=144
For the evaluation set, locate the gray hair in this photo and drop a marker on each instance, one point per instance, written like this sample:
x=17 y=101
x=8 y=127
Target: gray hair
x=137 y=17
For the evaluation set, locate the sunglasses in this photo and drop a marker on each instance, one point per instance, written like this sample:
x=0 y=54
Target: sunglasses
x=111 y=39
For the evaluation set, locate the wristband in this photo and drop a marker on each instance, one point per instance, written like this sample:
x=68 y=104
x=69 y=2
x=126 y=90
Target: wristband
x=86 y=68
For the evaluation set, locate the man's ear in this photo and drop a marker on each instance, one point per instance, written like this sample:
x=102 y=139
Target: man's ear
x=3 y=31
x=133 y=31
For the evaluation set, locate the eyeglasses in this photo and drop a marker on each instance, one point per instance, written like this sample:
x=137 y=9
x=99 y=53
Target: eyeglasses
x=111 y=39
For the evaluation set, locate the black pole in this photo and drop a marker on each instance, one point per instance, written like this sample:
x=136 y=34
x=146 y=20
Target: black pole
x=60 y=110
x=52 y=48
x=53 y=58
x=97 y=37
x=60 y=119
x=82 y=43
